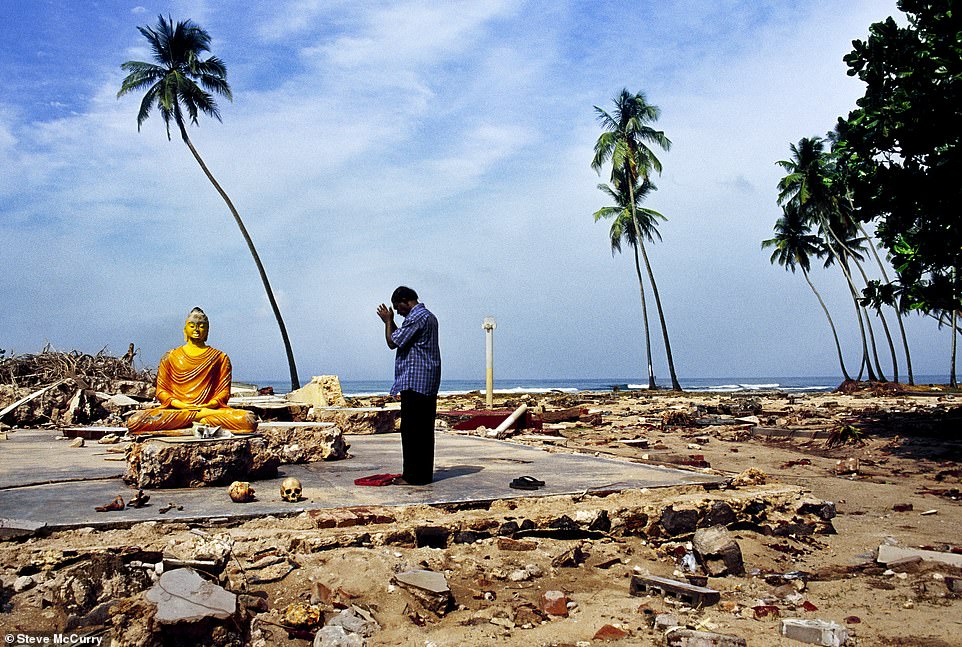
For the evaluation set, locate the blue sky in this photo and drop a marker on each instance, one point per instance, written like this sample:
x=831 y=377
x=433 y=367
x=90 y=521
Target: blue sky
x=445 y=146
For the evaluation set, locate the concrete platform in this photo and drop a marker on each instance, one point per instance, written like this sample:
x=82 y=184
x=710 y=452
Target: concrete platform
x=43 y=481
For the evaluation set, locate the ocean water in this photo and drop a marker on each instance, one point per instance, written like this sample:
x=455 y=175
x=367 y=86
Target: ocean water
x=358 y=388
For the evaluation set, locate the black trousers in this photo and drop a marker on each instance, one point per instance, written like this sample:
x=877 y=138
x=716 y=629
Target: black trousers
x=417 y=436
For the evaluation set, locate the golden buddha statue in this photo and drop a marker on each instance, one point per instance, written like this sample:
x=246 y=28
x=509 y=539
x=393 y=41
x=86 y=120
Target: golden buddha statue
x=193 y=385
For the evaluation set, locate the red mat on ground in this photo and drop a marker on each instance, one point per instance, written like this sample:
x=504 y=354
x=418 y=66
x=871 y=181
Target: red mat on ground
x=377 y=479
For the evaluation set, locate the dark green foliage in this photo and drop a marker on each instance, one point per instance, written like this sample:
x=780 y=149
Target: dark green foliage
x=902 y=149
x=845 y=434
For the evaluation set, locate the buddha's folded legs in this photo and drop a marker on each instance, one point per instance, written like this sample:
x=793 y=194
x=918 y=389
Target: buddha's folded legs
x=236 y=420
x=159 y=419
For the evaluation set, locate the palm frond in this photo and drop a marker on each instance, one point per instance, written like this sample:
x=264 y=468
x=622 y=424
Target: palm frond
x=181 y=82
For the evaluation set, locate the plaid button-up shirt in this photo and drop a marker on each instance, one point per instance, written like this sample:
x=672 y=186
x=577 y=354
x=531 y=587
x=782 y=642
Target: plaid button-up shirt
x=417 y=366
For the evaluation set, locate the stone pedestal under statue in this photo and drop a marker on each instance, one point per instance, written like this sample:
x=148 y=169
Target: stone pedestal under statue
x=189 y=462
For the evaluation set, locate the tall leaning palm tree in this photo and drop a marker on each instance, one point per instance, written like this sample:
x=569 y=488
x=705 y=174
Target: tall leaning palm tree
x=626 y=142
x=794 y=246
x=181 y=85
x=623 y=229
x=806 y=186
x=840 y=176
x=847 y=247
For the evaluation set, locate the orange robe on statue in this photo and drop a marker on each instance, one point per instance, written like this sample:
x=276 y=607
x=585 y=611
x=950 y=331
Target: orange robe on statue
x=196 y=381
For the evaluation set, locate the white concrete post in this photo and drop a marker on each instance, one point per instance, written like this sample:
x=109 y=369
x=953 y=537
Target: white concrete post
x=489 y=325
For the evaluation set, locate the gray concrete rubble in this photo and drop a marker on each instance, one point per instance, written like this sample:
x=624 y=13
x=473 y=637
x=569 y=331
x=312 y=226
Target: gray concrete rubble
x=717 y=551
x=304 y=442
x=890 y=554
x=424 y=580
x=354 y=621
x=814 y=632
x=360 y=420
x=337 y=636
x=182 y=595
x=178 y=462
x=428 y=588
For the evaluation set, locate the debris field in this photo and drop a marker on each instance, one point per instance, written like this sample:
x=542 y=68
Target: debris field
x=836 y=521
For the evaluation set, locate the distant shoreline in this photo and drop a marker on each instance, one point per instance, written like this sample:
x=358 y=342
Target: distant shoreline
x=505 y=386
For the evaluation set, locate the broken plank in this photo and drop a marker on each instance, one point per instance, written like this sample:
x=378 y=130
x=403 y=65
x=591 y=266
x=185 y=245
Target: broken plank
x=696 y=596
x=787 y=433
x=32 y=396
x=562 y=415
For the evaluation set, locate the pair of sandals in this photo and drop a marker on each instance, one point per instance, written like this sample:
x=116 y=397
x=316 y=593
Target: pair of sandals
x=526 y=483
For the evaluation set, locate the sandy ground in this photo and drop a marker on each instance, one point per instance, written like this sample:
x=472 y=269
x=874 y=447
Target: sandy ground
x=910 y=454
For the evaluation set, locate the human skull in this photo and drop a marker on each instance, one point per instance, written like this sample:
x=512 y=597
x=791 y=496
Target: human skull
x=291 y=490
x=241 y=492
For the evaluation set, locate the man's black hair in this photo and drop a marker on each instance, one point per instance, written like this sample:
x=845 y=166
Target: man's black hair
x=404 y=293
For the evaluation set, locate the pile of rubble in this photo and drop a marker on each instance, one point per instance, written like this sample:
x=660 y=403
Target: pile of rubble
x=58 y=388
x=672 y=573
x=218 y=588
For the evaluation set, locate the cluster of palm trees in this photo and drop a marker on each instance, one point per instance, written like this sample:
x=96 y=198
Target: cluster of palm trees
x=626 y=142
x=818 y=222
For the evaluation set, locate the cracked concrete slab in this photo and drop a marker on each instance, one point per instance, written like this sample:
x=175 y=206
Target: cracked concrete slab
x=45 y=481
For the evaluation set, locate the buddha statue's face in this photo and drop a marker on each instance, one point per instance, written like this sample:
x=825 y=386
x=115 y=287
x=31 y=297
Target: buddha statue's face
x=196 y=328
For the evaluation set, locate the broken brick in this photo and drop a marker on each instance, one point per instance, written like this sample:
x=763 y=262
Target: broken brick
x=554 y=603
x=528 y=614
x=765 y=610
x=635 y=523
x=333 y=518
x=368 y=515
x=610 y=632
x=506 y=543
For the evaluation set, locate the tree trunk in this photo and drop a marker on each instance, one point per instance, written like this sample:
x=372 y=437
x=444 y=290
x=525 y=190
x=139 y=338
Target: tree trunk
x=641 y=285
x=644 y=313
x=631 y=175
x=868 y=322
x=295 y=383
x=838 y=346
x=885 y=326
x=861 y=325
x=898 y=311
x=827 y=229
x=675 y=386
x=955 y=327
